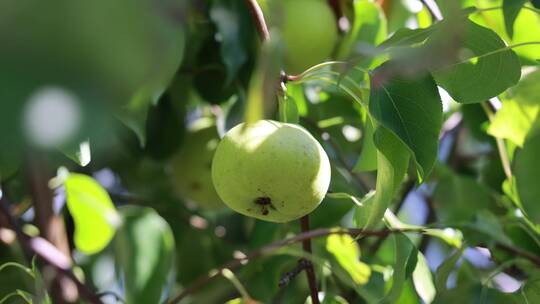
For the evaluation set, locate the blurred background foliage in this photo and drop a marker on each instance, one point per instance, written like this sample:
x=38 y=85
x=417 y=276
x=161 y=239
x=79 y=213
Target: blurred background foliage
x=136 y=94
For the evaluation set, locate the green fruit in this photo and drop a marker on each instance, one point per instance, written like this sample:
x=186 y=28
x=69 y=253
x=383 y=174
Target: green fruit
x=309 y=31
x=191 y=166
x=271 y=171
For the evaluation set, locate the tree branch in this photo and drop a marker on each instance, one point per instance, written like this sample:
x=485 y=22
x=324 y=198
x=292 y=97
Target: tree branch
x=258 y=17
x=46 y=252
x=310 y=272
x=236 y=263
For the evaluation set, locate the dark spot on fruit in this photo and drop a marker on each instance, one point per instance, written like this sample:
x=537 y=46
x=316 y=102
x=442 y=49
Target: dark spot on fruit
x=263 y=201
x=265 y=211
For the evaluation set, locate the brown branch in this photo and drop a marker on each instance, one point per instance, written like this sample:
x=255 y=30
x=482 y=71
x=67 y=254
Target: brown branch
x=310 y=271
x=46 y=252
x=520 y=252
x=287 y=278
x=236 y=263
x=258 y=17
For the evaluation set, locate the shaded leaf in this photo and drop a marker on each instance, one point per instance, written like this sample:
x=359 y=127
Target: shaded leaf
x=232 y=21
x=444 y=270
x=527 y=177
x=411 y=108
x=93 y=212
x=405 y=259
x=392 y=159
x=511 y=9
x=531 y=288
x=145 y=252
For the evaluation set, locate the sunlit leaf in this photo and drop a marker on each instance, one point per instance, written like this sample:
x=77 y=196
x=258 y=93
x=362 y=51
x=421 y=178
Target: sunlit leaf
x=367 y=161
x=347 y=254
x=145 y=252
x=490 y=70
x=93 y=212
x=264 y=82
x=519 y=110
x=368 y=29
x=423 y=280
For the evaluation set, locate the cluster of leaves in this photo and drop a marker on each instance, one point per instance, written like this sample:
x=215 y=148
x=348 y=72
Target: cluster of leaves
x=438 y=118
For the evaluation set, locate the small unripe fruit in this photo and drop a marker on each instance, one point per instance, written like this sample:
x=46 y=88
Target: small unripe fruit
x=309 y=31
x=191 y=166
x=271 y=171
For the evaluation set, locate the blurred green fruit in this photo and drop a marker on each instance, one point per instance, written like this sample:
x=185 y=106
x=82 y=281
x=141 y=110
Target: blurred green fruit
x=191 y=166
x=271 y=171
x=309 y=30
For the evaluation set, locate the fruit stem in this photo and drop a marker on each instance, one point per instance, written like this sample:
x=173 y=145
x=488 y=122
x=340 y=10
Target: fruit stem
x=310 y=271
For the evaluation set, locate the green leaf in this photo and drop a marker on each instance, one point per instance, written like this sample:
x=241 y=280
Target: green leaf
x=93 y=212
x=458 y=197
x=145 y=252
x=288 y=112
x=488 y=70
x=423 y=280
x=347 y=254
x=392 y=159
x=527 y=174
x=531 y=289
x=536 y=3
x=262 y=86
x=405 y=259
x=511 y=9
x=519 y=110
x=368 y=29
x=444 y=270
x=411 y=108
x=230 y=18
x=525 y=21
x=368 y=156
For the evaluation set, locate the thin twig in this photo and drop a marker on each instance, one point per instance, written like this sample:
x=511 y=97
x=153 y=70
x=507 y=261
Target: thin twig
x=310 y=271
x=433 y=9
x=236 y=263
x=258 y=17
x=287 y=278
x=47 y=252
